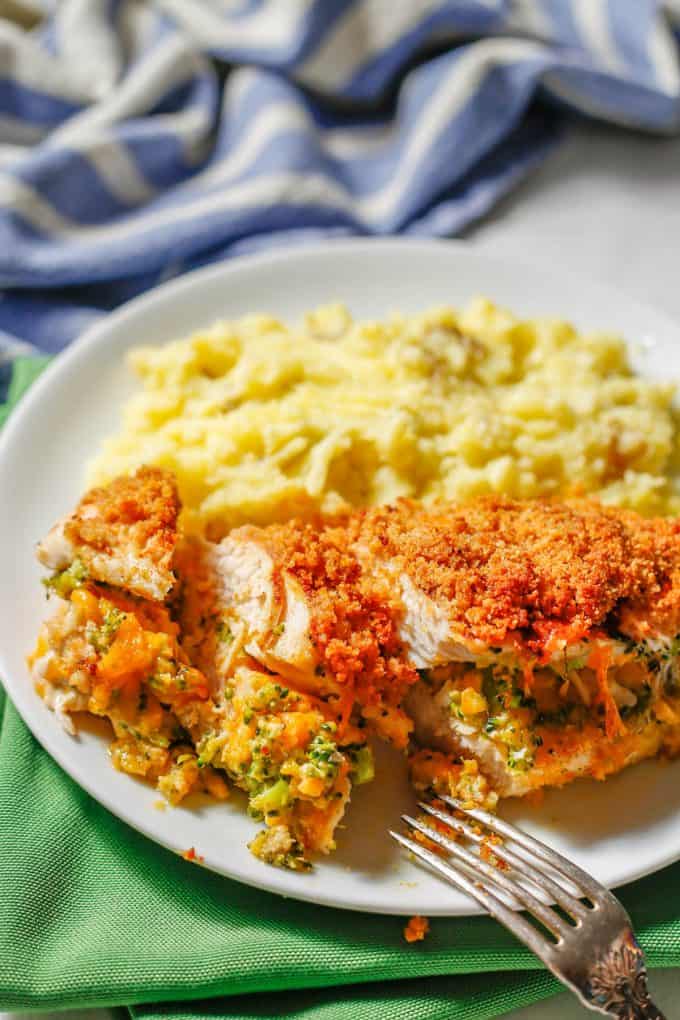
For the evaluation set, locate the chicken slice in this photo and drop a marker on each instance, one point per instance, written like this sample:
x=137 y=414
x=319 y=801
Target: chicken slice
x=122 y=534
x=279 y=741
x=266 y=609
x=498 y=573
x=425 y=625
x=295 y=600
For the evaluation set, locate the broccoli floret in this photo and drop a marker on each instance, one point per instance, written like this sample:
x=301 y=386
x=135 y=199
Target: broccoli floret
x=323 y=757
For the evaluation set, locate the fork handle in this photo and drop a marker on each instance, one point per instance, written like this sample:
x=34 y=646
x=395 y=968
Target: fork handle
x=618 y=982
x=644 y=1010
x=641 y=1008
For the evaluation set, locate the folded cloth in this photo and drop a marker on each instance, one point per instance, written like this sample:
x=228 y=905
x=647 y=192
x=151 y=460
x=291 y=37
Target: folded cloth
x=93 y=913
x=139 y=139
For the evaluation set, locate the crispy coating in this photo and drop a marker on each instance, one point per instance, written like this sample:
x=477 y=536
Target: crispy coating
x=528 y=571
x=523 y=572
x=140 y=510
x=653 y=606
x=354 y=618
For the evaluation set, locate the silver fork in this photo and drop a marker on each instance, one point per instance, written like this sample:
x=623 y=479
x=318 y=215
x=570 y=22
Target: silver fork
x=587 y=939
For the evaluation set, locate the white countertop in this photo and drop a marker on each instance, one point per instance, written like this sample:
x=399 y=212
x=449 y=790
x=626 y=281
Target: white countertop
x=605 y=205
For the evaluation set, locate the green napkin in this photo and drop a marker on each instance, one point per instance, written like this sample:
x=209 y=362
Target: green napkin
x=92 y=913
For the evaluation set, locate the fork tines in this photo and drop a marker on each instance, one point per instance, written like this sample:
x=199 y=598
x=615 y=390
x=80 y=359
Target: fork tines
x=504 y=870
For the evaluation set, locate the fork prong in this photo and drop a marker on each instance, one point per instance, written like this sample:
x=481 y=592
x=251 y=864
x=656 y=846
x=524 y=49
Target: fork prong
x=464 y=856
x=525 y=868
x=563 y=866
x=498 y=880
x=513 y=921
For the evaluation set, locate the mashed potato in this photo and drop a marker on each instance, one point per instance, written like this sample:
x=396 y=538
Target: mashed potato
x=260 y=421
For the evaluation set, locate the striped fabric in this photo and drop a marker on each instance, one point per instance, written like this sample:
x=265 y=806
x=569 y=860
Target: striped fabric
x=139 y=139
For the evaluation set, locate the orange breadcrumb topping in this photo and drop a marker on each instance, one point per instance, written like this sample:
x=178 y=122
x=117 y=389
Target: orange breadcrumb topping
x=531 y=574
x=137 y=511
x=526 y=571
x=654 y=605
x=354 y=620
x=416 y=929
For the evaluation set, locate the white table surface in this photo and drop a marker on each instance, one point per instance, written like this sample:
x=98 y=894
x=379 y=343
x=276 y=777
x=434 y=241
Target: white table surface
x=605 y=205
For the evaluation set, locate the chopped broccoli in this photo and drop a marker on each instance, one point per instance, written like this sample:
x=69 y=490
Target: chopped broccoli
x=224 y=633
x=520 y=760
x=323 y=757
x=66 y=581
x=102 y=637
x=112 y=620
x=363 y=768
x=272 y=798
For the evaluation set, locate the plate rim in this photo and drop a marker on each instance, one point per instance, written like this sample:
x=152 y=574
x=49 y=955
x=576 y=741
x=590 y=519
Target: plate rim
x=173 y=289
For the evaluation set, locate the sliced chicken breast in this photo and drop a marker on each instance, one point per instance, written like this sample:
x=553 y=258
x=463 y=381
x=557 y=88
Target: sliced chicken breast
x=562 y=599
x=295 y=599
x=122 y=534
x=266 y=608
x=518 y=644
x=285 y=744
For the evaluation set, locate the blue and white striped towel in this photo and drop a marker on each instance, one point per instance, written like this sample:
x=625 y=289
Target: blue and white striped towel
x=139 y=139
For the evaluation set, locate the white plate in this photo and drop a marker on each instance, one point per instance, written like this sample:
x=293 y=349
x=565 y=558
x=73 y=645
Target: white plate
x=619 y=831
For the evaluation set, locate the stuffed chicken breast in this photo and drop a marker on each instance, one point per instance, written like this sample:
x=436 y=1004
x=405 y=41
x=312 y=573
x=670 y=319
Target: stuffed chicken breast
x=537 y=639
x=505 y=645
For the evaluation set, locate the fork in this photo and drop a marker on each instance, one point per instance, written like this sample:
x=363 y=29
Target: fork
x=585 y=937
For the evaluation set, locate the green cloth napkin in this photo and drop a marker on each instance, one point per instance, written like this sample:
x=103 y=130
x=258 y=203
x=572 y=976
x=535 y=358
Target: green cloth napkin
x=92 y=913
